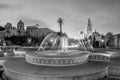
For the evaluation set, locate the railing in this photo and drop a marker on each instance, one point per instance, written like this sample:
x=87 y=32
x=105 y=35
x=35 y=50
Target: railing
x=114 y=72
x=18 y=47
x=99 y=58
x=56 y=61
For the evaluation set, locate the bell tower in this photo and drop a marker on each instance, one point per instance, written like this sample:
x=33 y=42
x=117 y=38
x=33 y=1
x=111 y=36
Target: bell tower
x=20 y=27
x=89 y=28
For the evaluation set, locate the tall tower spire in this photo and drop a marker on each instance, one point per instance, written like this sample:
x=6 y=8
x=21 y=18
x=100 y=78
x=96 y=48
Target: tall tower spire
x=89 y=28
x=20 y=27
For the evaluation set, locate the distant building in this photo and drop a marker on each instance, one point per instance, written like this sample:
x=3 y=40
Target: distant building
x=116 y=41
x=97 y=40
x=8 y=29
x=20 y=28
x=2 y=30
x=34 y=31
x=14 y=31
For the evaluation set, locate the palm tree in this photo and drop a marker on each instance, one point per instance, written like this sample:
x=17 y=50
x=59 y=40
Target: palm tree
x=60 y=21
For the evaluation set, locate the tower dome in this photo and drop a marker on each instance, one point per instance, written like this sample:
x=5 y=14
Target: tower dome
x=8 y=26
x=95 y=33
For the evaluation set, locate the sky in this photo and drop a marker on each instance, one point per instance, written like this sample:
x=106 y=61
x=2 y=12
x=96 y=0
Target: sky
x=104 y=14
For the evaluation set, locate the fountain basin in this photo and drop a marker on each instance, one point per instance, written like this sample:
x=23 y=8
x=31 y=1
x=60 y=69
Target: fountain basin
x=19 y=69
x=53 y=58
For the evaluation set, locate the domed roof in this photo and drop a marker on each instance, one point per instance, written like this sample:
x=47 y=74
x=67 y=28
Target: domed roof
x=20 y=22
x=95 y=33
x=8 y=24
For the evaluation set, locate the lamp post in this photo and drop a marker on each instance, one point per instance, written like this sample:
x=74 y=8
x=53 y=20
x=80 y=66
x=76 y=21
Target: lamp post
x=29 y=40
x=103 y=43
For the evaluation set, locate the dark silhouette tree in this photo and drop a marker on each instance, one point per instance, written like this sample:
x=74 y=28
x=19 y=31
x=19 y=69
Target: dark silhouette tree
x=94 y=39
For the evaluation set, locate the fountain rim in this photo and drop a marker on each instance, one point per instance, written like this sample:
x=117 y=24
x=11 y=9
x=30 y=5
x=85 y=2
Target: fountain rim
x=58 y=55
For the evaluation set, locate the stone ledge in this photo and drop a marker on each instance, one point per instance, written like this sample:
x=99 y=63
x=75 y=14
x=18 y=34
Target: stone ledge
x=61 y=61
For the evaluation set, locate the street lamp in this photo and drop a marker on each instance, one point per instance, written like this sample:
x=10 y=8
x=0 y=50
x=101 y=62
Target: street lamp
x=29 y=40
x=82 y=33
x=103 y=41
x=89 y=40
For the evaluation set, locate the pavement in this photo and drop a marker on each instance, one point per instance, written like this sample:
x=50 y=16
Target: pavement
x=26 y=68
x=29 y=69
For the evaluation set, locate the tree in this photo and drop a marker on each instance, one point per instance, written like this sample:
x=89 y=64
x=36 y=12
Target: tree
x=94 y=39
x=60 y=21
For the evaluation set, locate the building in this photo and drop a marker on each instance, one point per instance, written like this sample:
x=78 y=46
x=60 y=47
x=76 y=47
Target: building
x=14 y=31
x=8 y=29
x=116 y=41
x=97 y=40
x=20 y=28
x=34 y=31
x=2 y=30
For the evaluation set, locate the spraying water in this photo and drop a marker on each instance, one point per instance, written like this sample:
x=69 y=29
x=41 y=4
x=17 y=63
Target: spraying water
x=55 y=41
x=58 y=41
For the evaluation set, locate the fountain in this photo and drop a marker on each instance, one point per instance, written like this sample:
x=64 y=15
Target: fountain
x=55 y=60
x=56 y=52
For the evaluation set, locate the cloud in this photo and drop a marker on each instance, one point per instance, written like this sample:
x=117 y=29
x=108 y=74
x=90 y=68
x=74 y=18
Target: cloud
x=4 y=6
x=12 y=7
x=107 y=2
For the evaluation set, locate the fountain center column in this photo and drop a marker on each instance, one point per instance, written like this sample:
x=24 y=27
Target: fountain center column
x=64 y=44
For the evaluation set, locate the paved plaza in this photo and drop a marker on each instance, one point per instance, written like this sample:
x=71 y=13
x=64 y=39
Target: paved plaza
x=59 y=71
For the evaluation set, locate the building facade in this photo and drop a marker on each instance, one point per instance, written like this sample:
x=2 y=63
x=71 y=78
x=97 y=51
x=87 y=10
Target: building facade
x=20 y=28
x=97 y=39
x=14 y=31
x=116 y=41
x=34 y=31
x=8 y=30
x=2 y=30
